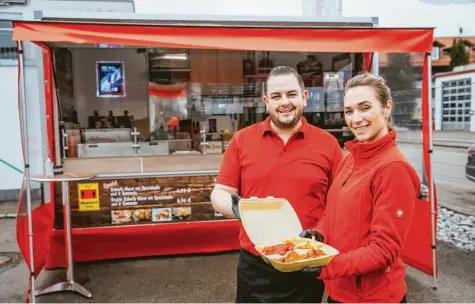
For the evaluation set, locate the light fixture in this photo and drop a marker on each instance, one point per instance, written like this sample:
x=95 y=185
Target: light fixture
x=174 y=56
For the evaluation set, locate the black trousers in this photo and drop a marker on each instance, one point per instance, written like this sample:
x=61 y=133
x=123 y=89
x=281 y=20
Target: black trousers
x=330 y=300
x=259 y=282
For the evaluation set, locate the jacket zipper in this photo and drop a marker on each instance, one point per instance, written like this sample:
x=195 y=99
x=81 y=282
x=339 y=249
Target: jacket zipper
x=348 y=176
x=338 y=197
x=358 y=287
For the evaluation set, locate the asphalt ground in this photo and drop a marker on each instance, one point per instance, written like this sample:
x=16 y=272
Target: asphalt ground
x=202 y=278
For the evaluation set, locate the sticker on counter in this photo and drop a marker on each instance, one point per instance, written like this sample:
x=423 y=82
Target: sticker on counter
x=182 y=213
x=121 y=216
x=88 y=197
x=214 y=147
x=161 y=214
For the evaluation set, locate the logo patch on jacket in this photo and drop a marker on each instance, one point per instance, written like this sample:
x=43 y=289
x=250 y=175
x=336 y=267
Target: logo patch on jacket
x=399 y=213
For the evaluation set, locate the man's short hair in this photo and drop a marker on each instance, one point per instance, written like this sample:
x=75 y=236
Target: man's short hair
x=284 y=70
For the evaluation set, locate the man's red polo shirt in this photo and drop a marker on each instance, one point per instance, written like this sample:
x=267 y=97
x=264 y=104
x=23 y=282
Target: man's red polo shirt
x=257 y=163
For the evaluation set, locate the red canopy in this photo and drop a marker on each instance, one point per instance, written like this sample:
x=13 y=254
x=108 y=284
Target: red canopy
x=266 y=39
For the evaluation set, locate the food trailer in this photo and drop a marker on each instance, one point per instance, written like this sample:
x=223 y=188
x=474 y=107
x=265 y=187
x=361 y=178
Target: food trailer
x=139 y=111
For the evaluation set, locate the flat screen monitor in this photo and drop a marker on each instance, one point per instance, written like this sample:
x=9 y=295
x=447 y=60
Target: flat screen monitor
x=110 y=79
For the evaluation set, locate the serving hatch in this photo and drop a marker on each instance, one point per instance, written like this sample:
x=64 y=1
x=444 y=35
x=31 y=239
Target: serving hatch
x=272 y=221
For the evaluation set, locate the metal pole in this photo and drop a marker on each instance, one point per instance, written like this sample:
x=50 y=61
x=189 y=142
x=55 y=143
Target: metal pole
x=67 y=232
x=431 y=177
x=375 y=61
x=24 y=131
x=375 y=64
x=54 y=93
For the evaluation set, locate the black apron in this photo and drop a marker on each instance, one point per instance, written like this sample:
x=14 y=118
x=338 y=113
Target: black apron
x=259 y=282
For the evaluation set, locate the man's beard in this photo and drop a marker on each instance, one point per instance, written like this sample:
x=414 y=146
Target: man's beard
x=287 y=124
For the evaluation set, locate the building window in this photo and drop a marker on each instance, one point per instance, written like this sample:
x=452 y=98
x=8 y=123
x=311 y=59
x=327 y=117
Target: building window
x=8 y=48
x=435 y=53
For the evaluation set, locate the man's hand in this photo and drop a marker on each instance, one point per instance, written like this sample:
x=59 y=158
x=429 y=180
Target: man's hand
x=309 y=233
x=235 y=200
x=222 y=201
x=314 y=271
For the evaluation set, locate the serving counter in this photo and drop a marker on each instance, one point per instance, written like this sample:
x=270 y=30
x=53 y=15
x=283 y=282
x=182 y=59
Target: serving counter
x=142 y=206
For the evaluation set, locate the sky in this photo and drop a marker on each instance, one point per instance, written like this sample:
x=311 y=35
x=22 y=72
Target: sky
x=444 y=15
x=446 y=18
x=221 y=7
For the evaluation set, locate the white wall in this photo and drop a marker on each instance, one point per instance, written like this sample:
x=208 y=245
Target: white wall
x=438 y=104
x=11 y=150
x=84 y=83
x=10 y=126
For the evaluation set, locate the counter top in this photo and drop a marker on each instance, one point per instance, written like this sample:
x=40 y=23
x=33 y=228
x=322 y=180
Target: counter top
x=62 y=177
x=143 y=164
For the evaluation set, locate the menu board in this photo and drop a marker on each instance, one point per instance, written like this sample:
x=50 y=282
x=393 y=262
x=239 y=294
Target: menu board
x=139 y=201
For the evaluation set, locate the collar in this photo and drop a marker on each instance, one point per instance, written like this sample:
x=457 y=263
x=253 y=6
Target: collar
x=267 y=129
x=362 y=150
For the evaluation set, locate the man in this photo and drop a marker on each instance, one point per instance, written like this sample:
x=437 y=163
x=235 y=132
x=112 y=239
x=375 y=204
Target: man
x=284 y=157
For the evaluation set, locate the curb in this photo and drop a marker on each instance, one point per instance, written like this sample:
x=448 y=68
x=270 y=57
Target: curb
x=453 y=210
x=8 y=215
x=448 y=144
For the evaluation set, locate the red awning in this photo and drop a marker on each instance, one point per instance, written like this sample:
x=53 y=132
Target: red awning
x=266 y=39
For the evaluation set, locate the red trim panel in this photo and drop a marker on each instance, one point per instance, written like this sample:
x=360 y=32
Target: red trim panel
x=266 y=39
x=103 y=243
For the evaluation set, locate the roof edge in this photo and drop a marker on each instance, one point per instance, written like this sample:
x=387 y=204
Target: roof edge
x=44 y=15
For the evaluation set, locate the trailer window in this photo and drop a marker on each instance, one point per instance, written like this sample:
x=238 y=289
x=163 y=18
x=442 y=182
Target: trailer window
x=119 y=101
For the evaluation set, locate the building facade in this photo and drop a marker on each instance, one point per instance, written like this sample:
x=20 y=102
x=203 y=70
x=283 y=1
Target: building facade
x=455 y=99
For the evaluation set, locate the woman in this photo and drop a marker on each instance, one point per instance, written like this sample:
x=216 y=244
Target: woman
x=369 y=204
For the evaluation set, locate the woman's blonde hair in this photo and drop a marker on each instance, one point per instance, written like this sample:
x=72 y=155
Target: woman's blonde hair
x=378 y=84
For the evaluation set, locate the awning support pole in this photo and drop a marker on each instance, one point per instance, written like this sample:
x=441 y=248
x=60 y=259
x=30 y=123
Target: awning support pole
x=24 y=131
x=431 y=177
x=55 y=99
x=375 y=64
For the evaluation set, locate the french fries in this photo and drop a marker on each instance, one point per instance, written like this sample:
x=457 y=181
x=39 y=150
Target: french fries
x=293 y=250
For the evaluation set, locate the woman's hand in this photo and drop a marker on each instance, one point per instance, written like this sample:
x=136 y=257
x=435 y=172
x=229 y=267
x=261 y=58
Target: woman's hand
x=310 y=233
x=315 y=271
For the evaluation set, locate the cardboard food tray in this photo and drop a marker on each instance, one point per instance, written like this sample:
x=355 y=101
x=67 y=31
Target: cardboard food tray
x=299 y=265
x=270 y=221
